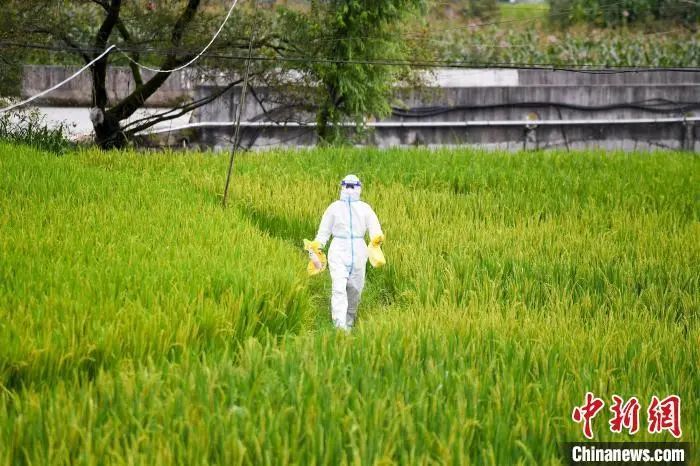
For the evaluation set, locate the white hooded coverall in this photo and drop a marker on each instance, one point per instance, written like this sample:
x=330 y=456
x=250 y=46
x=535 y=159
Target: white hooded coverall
x=347 y=220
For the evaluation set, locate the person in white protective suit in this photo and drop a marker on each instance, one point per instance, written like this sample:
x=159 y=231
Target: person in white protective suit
x=347 y=220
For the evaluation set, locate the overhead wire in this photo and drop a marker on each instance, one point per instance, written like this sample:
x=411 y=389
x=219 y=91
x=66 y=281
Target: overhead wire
x=648 y=105
x=334 y=38
x=53 y=88
x=527 y=19
x=583 y=68
x=599 y=68
x=190 y=62
x=434 y=63
x=114 y=47
x=331 y=38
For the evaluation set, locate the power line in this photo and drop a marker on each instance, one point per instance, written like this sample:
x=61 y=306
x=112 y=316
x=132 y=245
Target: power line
x=332 y=38
x=197 y=57
x=416 y=35
x=70 y=78
x=164 y=51
x=580 y=67
x=432 y=124
x=442 y=40
x=650 y=105
x=595 y=68
x=380 y=62
x=113 y=47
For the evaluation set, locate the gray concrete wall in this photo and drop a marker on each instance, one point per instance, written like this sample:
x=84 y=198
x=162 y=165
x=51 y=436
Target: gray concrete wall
x=120 y=82
x=616 y=137
x=511 y=95
x=36 y=78
x=573 y=78
x=538 y=98
x=510 y=103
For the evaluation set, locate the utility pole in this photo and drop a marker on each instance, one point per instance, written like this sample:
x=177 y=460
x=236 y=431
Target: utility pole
x=237 y=125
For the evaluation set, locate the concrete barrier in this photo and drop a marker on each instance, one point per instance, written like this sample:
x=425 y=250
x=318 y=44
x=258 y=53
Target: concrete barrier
x=120 y=83
x=484 y=104
x=458 y=95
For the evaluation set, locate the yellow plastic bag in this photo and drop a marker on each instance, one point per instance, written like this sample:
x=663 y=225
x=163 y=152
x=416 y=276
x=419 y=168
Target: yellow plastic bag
x=374 y=252
x=317 y=259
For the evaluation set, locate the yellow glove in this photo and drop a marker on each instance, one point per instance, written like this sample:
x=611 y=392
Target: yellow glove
x=374 y=251
x=317 y=259
x=311 y=245
x=377 y=241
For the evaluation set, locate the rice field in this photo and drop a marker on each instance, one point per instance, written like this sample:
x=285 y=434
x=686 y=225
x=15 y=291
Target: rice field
x=141 y=323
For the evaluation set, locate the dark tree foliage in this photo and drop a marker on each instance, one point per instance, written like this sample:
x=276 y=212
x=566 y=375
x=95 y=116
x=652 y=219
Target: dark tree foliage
x=312 y=42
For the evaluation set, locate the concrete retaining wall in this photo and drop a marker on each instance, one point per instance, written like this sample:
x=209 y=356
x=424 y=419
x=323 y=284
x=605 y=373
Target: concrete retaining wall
x=473 y=103
x=120 y=82
x=617 y=137
x=470 y=95
x=573 y=78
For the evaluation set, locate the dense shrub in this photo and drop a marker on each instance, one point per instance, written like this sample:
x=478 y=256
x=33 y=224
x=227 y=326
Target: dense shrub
x=28 y=126
x=10 y=78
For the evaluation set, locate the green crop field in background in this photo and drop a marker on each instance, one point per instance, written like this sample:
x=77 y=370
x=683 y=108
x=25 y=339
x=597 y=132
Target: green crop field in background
x=141 y=323
x=527 y=12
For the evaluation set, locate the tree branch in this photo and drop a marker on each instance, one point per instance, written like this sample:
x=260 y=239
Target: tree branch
x=147 y=122
x=136 y=99
x=135 y=70
x=183 y=22
x=63 y=37
x=108 y=24
x=124 y=32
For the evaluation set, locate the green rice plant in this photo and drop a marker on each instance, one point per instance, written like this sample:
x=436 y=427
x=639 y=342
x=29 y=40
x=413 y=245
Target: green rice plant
x=141 y=323
x=93 y=233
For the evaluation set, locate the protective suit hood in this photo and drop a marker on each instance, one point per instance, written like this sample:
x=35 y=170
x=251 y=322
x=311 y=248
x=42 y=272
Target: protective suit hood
x=350 y=188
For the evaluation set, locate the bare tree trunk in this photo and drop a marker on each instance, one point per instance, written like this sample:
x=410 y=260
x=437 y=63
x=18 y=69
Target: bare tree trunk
x=324 y=129
x=108 y=131
x=107 y=122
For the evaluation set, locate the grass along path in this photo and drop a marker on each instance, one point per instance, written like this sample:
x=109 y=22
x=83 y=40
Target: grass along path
x=140 y=323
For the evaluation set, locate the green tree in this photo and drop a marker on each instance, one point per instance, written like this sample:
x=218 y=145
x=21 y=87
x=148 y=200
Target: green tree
x=172 y=32
x=342 y=41
x=331 y=44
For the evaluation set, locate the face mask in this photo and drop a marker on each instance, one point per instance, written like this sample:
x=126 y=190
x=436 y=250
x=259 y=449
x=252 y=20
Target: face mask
x=352 y=194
